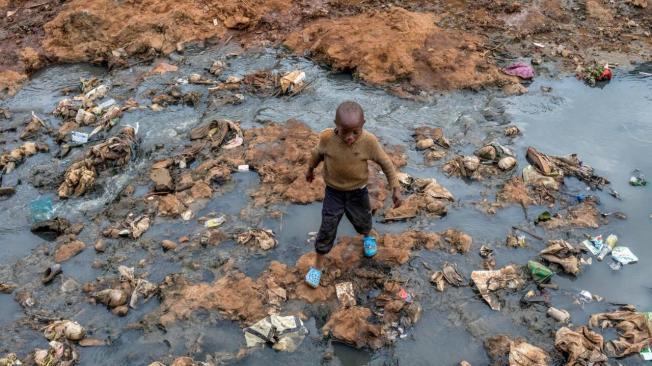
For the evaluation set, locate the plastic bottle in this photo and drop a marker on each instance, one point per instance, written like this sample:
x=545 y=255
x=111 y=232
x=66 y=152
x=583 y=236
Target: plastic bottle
x=611 y=242
x=539 y=272
x=41 y=209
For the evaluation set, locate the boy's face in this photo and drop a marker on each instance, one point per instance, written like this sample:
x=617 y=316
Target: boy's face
x=349 y=127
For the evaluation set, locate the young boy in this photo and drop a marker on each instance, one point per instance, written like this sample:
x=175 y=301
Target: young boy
x=345 y=151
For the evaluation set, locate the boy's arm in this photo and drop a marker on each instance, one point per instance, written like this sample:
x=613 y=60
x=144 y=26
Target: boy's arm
x=316 y=157
x=380 y=156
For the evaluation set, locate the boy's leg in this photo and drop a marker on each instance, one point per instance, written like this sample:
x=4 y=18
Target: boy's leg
x=358 y=211
x=331 y=214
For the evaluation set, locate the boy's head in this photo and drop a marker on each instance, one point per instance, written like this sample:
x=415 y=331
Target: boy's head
x=349 y=119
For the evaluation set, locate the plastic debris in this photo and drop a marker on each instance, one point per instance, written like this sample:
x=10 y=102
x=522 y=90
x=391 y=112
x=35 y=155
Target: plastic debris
x=284 y=333
x=292 y=81
x=259 y=238
x=345 y=294
x=563 y=254
x=520 y=69
x=539 y=272
x=79 y=137
x=243 y=168
x=559 y=315
x=623 y=255
x=585 y=296
x=543 y=217
x=41 y=209
x=489 y=282
x=594 y=244
x=67 y=329
x=215 y=222
x=610 y=244
x=637 y=179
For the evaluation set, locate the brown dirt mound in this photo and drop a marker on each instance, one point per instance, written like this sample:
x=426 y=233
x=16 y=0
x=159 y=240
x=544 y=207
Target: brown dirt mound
x=353 y=327
x=399 y=45
x=103 y=30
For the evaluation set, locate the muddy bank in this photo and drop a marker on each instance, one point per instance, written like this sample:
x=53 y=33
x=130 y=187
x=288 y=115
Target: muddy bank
x=438 y=45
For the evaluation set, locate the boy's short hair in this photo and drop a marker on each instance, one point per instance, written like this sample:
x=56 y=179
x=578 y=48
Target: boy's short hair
x=349 y=107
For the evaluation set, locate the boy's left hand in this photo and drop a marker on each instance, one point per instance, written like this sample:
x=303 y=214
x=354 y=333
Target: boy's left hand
x=396 y=197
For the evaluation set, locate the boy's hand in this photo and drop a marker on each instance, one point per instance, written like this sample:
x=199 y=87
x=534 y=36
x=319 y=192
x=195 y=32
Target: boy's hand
x=310 y=175
x=396 y=197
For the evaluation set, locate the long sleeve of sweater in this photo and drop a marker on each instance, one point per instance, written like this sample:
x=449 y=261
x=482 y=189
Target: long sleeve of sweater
x=380 y=156
x=317 y=154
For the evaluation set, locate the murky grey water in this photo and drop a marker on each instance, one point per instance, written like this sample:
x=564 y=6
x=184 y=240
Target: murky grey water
x=610 y=128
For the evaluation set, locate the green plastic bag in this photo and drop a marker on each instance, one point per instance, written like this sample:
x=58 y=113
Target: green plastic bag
x=539 y=272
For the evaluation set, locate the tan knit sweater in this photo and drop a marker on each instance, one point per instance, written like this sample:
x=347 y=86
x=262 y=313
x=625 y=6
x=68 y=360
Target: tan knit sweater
x=345 y=167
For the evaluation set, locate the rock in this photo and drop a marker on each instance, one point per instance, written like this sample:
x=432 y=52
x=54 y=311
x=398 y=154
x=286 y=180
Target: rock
x=111 y=297
x=425 y=144
x=237 y=22
x=168 y=245
x=162 y=179
x=73 y=331
x=7 y=191
x=100 y=246
x=511 y=131
x=169 y=205
x=514 y=89
x=507 y=163
x=471 y=163
x=486 y=153
x=120 y=310
x=201 y=190
x=68 y=250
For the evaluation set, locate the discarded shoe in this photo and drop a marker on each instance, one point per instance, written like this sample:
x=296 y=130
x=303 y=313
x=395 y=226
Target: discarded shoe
x=370 y=247
x=313 y=277
x=50 y=273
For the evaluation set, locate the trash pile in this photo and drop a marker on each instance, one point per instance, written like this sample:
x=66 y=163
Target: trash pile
x=115 y=151
x=503 y=350
x=487 y=161
x=594 y=73
x=122 y=293
x=425 y=196
x=432 y=142
x=11 y=159
x=490 y=282
x=172 y=96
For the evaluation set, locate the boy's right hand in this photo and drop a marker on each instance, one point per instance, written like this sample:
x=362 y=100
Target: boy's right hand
x=310 y=175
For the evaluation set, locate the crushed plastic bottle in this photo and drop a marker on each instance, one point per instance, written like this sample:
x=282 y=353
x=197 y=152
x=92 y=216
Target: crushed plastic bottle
x=610 y=244
x=539 y=272
x=637 y=179
x=41 y=209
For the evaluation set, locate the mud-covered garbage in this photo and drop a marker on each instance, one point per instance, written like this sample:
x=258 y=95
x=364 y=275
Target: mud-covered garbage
x=258 y=238
x=352 y=326
x=634 y=330
x=511 y=131
x=11 y=159
x=488 y=282
x=581 y=346
x=80 y=177
x=345 y=294
x=11 y=359
x=173 y=96
x=449 y=274
x=7 y=287
x=563 y=254
x=502 y=350
x=582 y=215
x=283 y=333
x=637 y=179
x=593 y=73
x=560 y=315
x=432 y=142
x=133 y=226
x=292 y=82
x=68 y=329
x=425 y=196
x=57 y=225
x=68 y=250
x=560 y=166
x=58 y=354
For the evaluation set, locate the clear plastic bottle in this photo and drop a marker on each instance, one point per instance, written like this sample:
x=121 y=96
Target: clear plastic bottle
x=610 y=243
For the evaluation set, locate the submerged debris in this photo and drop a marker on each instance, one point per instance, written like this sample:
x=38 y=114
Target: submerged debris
x=284 y=333
x=634 y=333
x=581 y=347
x=488 y=282
x=426 y=196
x=564 y=254
x=259 y=238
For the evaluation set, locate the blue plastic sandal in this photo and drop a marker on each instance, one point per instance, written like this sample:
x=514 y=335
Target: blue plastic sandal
x=370 y=247
x=313 y=277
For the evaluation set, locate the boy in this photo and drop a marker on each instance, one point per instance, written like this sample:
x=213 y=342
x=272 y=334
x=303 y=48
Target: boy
x=345 y=151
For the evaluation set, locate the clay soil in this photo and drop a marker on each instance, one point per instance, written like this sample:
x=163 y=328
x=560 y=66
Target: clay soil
x=410 y=46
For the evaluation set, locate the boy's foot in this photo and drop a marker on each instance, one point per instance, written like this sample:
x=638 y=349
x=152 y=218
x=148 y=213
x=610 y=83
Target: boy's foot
x=370 y=247
x=313 y=277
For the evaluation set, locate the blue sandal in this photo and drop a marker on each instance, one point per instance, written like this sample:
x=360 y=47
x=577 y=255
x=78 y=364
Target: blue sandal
x=313 y=277
x=370 y=247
